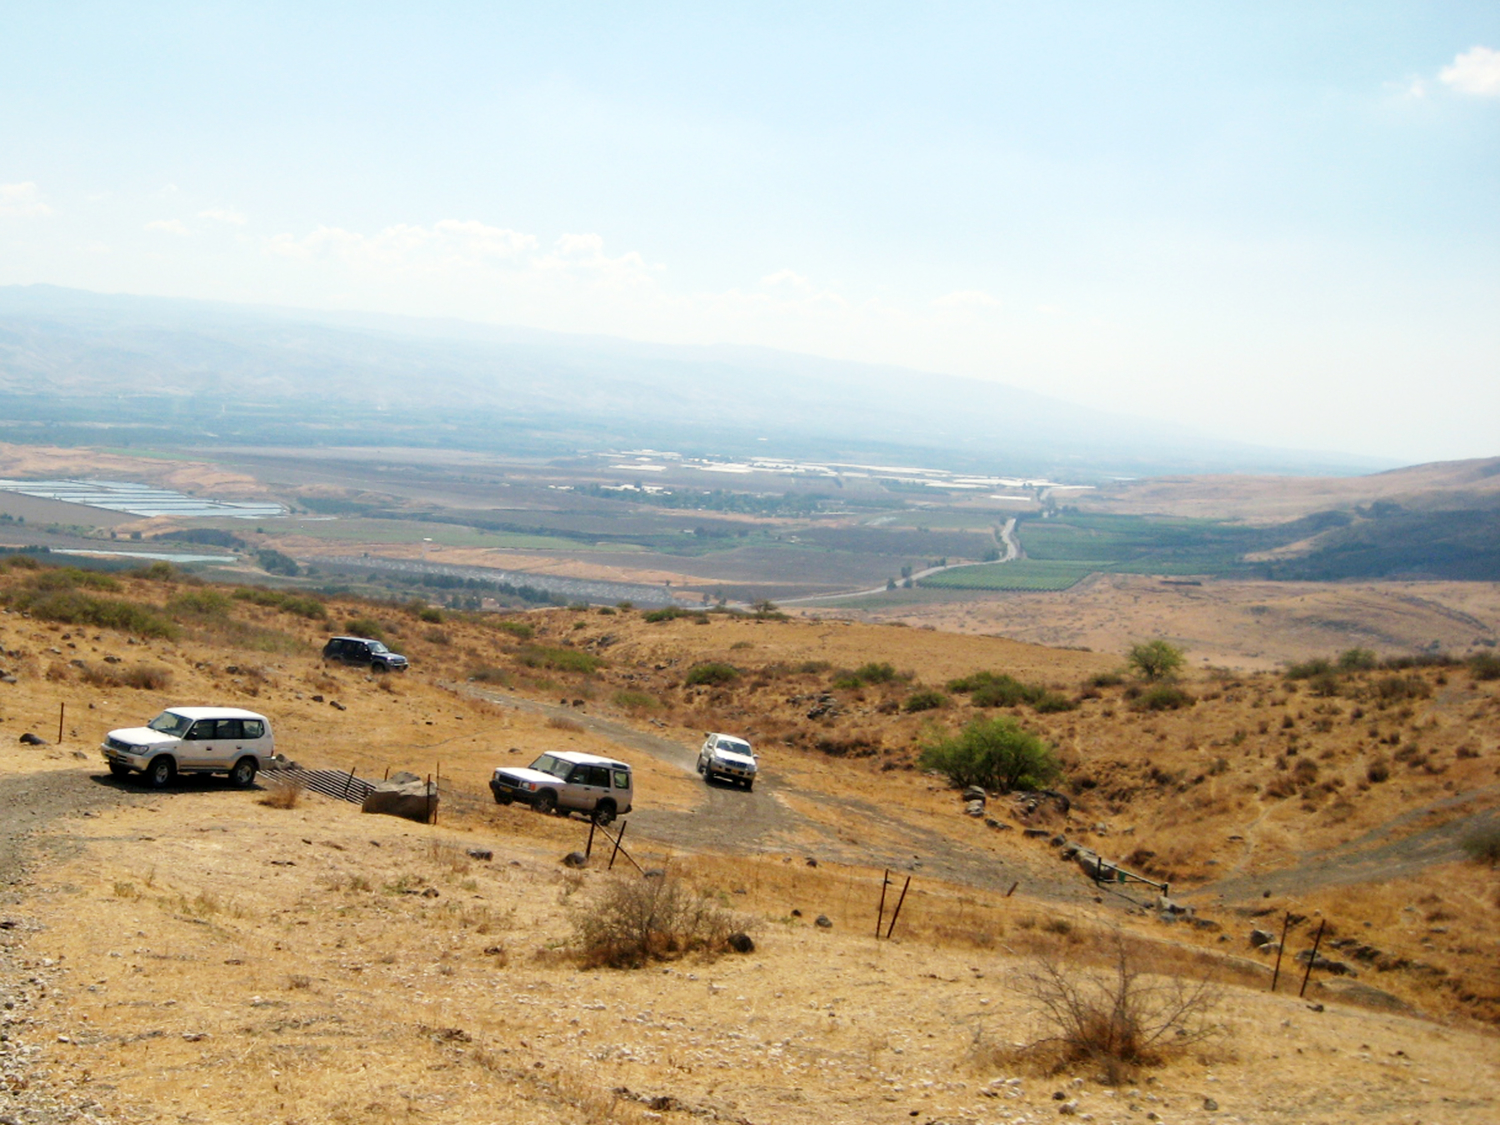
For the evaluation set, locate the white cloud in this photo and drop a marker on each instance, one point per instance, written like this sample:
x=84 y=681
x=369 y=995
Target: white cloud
x=1476 y=71
x=22 y=200
x=446 y=244
x=169 y=226
x=224 y=215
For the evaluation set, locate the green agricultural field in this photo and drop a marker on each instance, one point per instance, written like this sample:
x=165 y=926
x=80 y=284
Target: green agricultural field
x=442 y=534
x=1140 y=544
x=1023 y=574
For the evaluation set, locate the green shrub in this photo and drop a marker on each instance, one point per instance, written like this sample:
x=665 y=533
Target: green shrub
x=1357 y=660
x=987 y=689
x=1482 y=844
x=1307 y=669
x=713 y=674
x=364 y=627
x=71 y=578
x=925 y=701
x=672 y=613
x=998 y=754
x=1163 y=697
x=300 y=605
x=201 y=604
x=74 y=607
x=1485 y=666
x=874 y=673
x=1051 y=702
x=559 y=659
x=1155 y=660
x=521 y=630
x=630 y=700
x=1105 y=679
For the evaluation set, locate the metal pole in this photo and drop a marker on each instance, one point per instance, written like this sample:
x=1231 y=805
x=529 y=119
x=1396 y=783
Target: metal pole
x=885 y=881
x=344 y=796
x=897 y=912
x=1313 y=959
x=60 y=708
x=588 y=849
x=1013 y=887
x=432 y=799
x=1286 y=924
x=429 y=798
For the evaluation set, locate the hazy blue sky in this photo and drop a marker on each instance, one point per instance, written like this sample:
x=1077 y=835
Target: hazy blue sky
x=1275 y=221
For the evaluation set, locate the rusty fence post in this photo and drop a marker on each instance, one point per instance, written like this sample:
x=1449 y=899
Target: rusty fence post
x=1286 y=924
x=885 y=881
x=61 y=707
x=1312 y=960
x=348 y=781
x=588 y=848
x=897 y=912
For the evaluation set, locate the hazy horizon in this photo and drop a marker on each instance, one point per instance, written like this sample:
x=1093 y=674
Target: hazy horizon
x=1274 y=226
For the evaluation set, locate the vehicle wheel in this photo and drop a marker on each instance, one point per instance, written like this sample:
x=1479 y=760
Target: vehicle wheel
x=119 y=769
x=160 y=772
x=377 y=667
x=503 y=798
x=545 y=801
x=243 y=773
x=749 y=784
x=604 y=813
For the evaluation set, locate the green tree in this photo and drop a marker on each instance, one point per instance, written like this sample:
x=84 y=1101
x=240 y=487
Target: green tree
x=1155 y=660
x=998 y=754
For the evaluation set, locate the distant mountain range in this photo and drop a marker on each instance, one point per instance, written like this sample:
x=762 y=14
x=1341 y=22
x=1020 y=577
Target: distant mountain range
x=88 y=368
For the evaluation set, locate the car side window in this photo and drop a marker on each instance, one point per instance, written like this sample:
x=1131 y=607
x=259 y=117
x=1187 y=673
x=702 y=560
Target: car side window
x=202 y=730
x=579 y=776
x=622 y=779
x=599 y=775
x=254 y=728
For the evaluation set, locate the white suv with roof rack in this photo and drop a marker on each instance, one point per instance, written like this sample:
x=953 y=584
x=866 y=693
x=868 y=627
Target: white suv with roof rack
x=724 y=755
x=565 y=781
x=223 y=740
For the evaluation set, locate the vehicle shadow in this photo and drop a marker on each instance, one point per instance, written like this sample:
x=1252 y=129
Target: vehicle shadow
x=182 y=783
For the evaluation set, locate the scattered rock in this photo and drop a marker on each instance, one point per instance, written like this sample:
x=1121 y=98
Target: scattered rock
x=29 y=739
x=1259 y=938
x=824 y=922
x=741 y=943
x=975 y=793
x=431 y=892
x=337 y=704
x=1210 y=1105
x=574 y=859
x=481 y=853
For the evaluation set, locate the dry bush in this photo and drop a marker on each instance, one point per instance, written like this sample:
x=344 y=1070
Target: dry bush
x=558 y=723
x=282 y=794
x=638 y=920
x=1119 y=1017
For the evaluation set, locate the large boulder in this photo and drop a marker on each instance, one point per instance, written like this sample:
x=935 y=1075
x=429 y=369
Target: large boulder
x=404 y=795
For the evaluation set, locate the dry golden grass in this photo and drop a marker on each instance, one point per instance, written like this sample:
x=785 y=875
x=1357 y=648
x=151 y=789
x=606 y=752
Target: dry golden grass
x=300 y=940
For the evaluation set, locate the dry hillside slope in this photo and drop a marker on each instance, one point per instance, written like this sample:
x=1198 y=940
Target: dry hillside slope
x=202 y=954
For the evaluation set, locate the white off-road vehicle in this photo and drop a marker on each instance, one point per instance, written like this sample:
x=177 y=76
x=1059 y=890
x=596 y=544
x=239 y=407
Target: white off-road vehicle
x=192 y=740
x=565 y=781
x=724 y=755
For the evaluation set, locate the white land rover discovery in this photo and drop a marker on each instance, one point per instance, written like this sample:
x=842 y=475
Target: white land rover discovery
x=564 y=781
x=724 y=755
x=192 y=740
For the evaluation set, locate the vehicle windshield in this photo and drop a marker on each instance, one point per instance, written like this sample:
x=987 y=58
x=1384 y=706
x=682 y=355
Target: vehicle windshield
x=735 y=746
x=169 y=722
x=555 y=766
x=376 y=646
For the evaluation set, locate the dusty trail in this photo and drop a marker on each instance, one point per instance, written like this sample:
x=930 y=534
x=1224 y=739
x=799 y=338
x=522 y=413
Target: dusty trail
x=761 y=821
